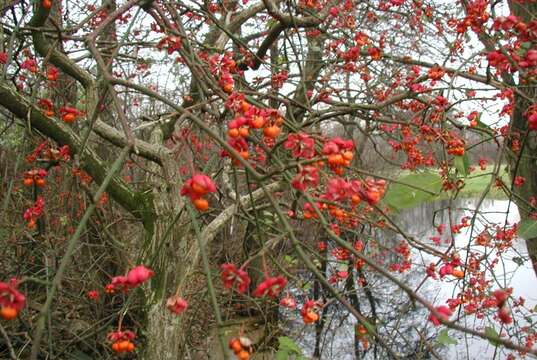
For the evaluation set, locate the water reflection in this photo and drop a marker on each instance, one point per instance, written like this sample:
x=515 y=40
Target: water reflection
x=404 y=326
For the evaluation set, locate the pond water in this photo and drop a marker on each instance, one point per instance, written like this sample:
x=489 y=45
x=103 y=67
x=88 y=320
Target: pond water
x=405 y=327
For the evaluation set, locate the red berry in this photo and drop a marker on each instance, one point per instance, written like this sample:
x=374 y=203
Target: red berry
x=8 y=313
x=201 y=204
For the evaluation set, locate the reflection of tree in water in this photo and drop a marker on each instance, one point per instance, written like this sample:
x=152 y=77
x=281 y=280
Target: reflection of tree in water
x=403 y=326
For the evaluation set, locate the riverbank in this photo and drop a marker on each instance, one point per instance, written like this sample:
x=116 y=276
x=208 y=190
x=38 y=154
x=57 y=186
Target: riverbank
x=410 y=189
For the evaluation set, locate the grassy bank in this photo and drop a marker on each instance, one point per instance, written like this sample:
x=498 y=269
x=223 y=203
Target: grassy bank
x=477 y=182
x=413 y=188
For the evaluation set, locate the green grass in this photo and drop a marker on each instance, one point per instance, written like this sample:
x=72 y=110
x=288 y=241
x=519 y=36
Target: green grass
x=426 y=186
x=478 y=180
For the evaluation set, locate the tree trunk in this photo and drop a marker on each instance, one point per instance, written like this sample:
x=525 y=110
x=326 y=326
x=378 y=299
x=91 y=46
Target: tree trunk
x=162 y=249
x=524 y=163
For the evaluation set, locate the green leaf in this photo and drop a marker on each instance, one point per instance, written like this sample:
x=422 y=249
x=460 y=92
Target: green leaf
x=527 y=229
x=306 y=286
x=400 y=196
x=342 y=266
x=466 y=37
x=271 y=23
x=64 y=220
x=493 y=335
x=286 y=348
x=518 y=260
x=281 y=60
x=482 y=125
x=526 y=45
x=290 y=259
x=371 y=329
x=462 y=164
x=268 y=218
x=444 y=339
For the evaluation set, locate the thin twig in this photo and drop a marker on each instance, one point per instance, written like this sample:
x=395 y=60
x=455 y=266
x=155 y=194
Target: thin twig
x=8 y=344
x=71 y=246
